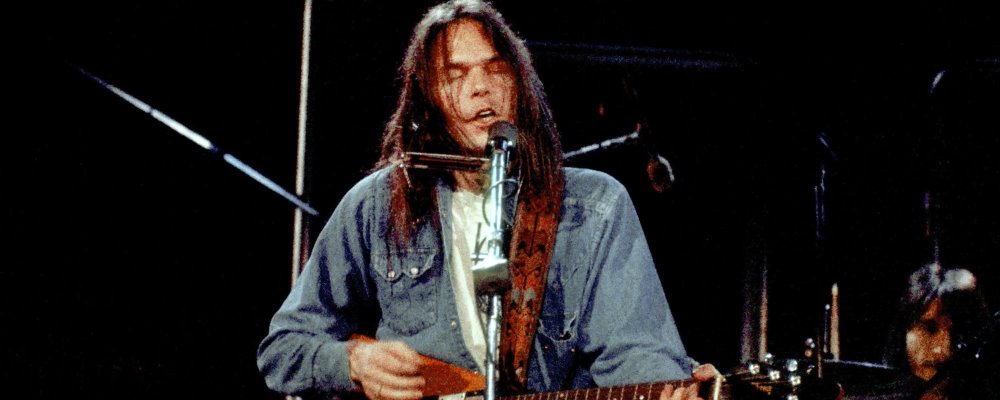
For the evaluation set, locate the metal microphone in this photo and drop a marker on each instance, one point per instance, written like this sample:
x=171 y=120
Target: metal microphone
x=503 y=135
x=492 y=275
x=659 y=170
x=499 y=147
x=661 y=174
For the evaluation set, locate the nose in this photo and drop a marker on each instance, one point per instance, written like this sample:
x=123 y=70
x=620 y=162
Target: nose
x=478 y=82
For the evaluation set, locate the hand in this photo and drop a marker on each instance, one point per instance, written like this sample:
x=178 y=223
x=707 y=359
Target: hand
x=386 y=370
x=703 y=373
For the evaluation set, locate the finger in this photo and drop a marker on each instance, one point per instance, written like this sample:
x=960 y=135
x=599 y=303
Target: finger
x=667 y=392
x=376 y=375
x=375 y=391
x=680 y=393
x=372 y=391
x=384 y=371
x=380 y=375
x=407 y=360
x=704 y=372
x=399 y=368
x=389 y=393
x=392 y=358
x=691 y=392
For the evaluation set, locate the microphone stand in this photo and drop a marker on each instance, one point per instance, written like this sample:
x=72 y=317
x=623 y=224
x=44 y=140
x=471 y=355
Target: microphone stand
x=606 y=144
x=661 y=174
x=492 y=275
x=204 y=143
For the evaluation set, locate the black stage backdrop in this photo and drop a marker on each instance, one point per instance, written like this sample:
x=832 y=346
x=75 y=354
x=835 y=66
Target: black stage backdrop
x=137 y=265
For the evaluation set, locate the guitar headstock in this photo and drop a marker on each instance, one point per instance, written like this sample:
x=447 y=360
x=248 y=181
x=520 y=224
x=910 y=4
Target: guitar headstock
x=790 y=379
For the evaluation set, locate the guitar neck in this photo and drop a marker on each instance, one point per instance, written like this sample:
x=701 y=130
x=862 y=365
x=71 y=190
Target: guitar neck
x=713 y=390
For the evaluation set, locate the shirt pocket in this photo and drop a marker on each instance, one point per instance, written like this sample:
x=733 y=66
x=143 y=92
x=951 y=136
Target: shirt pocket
x=407 y=289
x=555 y=350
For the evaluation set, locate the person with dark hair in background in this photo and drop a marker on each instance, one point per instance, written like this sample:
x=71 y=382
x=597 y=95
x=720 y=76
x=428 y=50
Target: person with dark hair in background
x=942 y=336
x=393 y=261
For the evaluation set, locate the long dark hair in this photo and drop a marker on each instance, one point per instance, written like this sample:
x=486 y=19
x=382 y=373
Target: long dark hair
x=963 y=302
x=419 y=125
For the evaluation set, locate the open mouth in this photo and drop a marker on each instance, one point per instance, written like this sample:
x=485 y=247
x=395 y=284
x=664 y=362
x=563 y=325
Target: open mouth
x=485 y=114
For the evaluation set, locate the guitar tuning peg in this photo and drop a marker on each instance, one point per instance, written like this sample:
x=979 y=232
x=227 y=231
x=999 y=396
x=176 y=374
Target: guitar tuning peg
x=774 y=374
x=768 y=359
x=810 y=348
x=791 y=365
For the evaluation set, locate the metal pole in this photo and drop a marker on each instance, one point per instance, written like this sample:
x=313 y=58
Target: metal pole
x=493 y=345
x=300 y=226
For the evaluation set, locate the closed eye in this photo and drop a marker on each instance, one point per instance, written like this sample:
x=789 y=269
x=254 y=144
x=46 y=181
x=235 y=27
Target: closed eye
x=496 y=66
x=454 y=73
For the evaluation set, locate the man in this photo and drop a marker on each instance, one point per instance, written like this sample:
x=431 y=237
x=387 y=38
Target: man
x=394 y=260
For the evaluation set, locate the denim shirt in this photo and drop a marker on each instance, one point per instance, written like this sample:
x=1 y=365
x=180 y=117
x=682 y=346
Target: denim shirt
x=604 y=321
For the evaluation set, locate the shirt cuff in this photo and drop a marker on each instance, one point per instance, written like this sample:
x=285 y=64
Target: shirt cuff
x=331 y=371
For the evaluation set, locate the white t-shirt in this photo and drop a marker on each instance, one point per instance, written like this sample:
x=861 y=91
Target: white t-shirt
x=468 y=224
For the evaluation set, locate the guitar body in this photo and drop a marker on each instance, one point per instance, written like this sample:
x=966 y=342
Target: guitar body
x=442 y=378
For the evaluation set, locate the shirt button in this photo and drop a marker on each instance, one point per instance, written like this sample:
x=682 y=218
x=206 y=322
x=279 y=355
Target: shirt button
x=454 y=324
x=391 y=274
x=414 y=270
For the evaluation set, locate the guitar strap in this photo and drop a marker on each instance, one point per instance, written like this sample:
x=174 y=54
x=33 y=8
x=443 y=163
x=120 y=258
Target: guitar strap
x=532 y=242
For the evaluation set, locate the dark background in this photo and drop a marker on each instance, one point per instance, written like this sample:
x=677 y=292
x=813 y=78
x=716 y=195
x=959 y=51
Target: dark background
x=137 y=265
